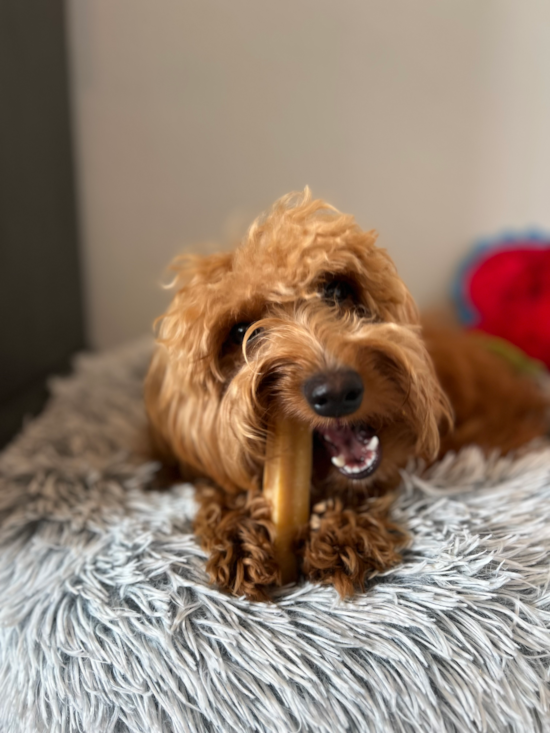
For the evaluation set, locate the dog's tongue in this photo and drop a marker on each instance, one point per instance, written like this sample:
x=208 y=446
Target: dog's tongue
x=353 y=449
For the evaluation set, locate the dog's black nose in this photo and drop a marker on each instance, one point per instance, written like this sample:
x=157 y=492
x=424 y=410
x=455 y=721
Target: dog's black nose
x=334 y=394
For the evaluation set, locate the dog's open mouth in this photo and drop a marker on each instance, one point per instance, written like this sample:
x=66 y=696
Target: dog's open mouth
x=353 y=448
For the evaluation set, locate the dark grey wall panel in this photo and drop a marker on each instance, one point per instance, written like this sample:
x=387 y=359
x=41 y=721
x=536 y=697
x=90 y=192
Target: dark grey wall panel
x=41 y=321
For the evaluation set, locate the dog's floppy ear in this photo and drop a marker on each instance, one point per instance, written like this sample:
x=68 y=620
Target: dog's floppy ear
x=180 y=338
x=408 y=310
x=438 y=419
x=444 y=412
x=195 y=274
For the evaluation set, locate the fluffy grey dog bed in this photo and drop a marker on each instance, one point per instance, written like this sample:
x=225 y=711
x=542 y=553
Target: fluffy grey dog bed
x=107 y=622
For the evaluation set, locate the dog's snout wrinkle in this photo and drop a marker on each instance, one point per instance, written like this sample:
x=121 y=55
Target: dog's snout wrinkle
x=334 y=394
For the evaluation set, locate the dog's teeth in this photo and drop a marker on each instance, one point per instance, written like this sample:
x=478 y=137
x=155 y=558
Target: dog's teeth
x=373 y=443
x=338 y=461
x=350 y=470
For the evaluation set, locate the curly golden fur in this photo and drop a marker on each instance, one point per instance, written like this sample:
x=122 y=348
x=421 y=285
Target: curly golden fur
x=210 y=398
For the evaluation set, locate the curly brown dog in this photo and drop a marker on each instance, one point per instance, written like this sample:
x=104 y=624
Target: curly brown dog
x=309 y=318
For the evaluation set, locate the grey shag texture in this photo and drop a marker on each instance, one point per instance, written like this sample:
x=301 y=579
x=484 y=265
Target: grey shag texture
x=108 y=624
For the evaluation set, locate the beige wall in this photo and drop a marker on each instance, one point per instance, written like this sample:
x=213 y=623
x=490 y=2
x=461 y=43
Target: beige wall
x=429 y=120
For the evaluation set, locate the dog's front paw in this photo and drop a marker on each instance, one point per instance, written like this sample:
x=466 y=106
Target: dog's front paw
x=237 y=534
x=346 y=546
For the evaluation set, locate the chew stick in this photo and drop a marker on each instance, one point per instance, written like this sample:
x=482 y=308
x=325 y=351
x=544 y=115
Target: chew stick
x=287 y=478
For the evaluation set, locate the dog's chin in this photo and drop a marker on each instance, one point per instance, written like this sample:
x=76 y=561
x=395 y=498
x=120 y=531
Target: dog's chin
x=351 y=448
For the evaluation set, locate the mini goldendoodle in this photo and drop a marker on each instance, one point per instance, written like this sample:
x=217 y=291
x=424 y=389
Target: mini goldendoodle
x=308 y=318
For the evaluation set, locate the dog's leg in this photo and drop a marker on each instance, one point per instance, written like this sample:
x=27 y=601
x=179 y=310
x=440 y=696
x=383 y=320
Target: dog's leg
x=347 y=545
x=237 y=533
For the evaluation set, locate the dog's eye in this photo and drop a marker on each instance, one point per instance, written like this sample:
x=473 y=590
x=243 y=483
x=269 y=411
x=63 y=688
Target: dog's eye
x=339 y=292
x=238 y=332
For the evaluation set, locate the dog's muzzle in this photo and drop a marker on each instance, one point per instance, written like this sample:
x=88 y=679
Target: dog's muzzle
x=353 y=448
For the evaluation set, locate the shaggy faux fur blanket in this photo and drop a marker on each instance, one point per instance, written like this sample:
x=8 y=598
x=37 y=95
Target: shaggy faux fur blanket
x=108 y=623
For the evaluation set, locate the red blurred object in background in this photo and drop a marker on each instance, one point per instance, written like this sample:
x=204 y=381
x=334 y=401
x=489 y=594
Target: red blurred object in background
x=505 y=291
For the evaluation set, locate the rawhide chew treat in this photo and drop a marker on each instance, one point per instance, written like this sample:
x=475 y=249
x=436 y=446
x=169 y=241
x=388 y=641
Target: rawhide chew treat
x=286 y=485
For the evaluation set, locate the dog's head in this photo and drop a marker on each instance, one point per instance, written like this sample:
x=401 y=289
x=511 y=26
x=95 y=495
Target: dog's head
x=309 y=319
